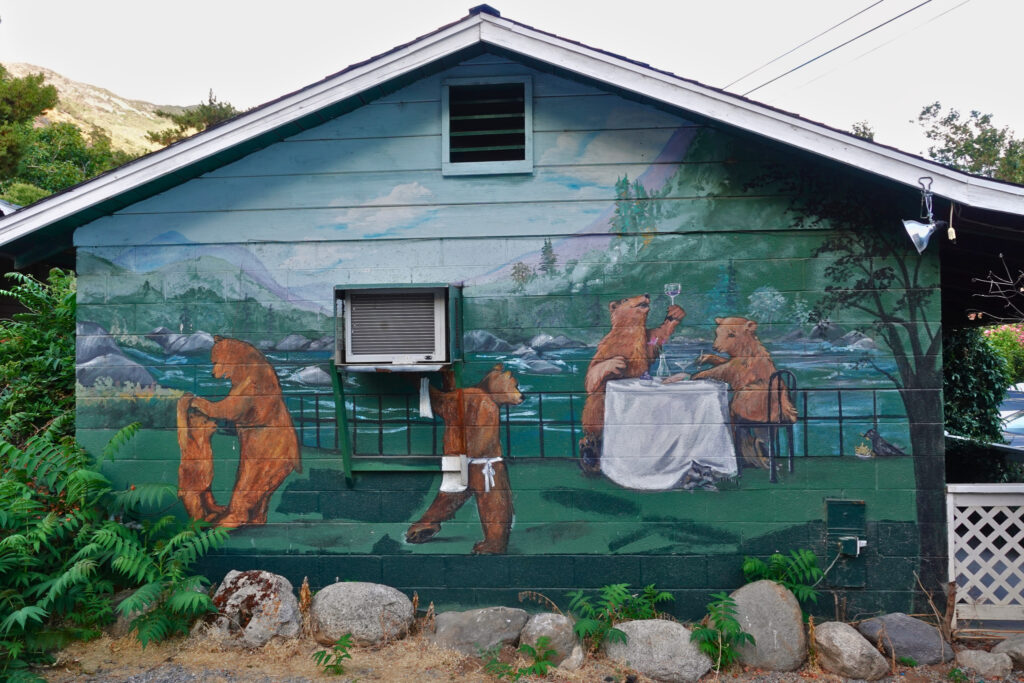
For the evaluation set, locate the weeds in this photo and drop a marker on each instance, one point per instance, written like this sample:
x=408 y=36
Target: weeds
x=719 y=633
x=595 y=623
x=540 y=661
x=799 y=572
x=331 y=661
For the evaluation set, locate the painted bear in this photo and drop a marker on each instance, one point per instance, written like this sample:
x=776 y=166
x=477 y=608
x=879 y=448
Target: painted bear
x=268 y=445
x=626 y=351
x=471 y=418
x=747 y=372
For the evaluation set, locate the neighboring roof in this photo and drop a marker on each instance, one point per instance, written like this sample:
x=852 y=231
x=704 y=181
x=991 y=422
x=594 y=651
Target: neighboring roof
x=6 y=208
x=47 y=224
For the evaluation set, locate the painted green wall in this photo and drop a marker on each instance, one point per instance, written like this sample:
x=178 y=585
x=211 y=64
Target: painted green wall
x=624 y=198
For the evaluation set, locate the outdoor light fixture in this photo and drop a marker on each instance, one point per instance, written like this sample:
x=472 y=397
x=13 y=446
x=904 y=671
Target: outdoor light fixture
x=919 y=232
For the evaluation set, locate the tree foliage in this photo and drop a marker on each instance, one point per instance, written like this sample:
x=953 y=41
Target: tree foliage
x=193 y=120
x=974 y=384
x=863 y=129
x=60 y=155
x=973 y=143
x=21 y=100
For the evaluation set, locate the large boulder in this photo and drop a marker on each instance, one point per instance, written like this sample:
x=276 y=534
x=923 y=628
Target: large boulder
x=479 y=629
x=558 y=630
x=903 y=636
x=255 y=606
x=117 y=367
x=844 y=651
x=312 y=375
x=371 y=612
x=482 y=340
x=93 y=341
x=1014 y=647
x=545 y=342
x=659 y=649
x=293 y=342
x=771 y=614
x=191 y=344
x=985 y=664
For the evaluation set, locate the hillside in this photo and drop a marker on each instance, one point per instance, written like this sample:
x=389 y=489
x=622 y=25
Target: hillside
x=126 y=121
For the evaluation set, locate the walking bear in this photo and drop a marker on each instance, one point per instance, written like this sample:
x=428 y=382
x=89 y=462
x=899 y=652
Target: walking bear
x=268 y=446
x=626 y=351
x=471 y=418
x=747 y=372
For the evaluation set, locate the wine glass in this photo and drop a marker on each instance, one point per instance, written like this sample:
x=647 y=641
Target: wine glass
x=672 y=290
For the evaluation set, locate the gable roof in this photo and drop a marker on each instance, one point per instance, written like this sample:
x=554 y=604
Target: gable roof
x=45 y=227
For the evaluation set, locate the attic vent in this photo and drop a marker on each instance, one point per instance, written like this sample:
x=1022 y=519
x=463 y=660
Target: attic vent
x=487 y=126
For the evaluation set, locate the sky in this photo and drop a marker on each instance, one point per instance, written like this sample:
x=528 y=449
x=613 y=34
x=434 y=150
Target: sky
x=962 y=52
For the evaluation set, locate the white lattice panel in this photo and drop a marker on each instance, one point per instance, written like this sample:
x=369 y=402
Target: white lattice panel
x=985 y=523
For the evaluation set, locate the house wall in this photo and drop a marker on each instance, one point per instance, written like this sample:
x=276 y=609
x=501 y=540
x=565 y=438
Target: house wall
x=783 y=253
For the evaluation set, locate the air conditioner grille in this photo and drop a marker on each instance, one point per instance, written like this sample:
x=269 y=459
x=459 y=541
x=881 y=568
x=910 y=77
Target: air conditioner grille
x=399 y=323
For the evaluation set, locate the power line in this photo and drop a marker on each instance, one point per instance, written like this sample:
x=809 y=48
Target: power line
x=888 y=42
x=809 y=40
x=844 y=44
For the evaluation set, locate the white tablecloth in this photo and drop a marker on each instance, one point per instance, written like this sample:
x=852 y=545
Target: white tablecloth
x=654 y=433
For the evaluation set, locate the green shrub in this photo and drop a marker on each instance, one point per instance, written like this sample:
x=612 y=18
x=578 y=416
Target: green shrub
x=974 y=384
x=333 y=661
x=720 y=633
x=595 y=623
x=799 y=572
x=1008 y=341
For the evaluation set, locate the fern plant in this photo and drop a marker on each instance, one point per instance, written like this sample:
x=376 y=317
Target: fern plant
x=595 y=622
x=799 y=572
x=720 y=634
x=539 y=656
x=332 y=661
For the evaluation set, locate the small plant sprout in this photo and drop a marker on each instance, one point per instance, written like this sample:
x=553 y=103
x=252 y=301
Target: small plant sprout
x=332 y=661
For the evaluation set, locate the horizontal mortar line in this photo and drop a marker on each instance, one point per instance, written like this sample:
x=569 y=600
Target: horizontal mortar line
x=594 y=164
x=346 y=207
x=304 y=140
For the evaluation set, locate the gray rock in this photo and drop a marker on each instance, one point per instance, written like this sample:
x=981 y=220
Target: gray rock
x=93 y=341
x=313 y=375
x=371 y=612
x=254 y=607
x=321 y=344
x=828 y=331
x=525 y=353
x=117 y=367
x=190 y=344
x=985 y=664
x=482 y=340
x=865 y=344
x=1014 y=647
x=771 y=614
x=162 y=336
x=844 y=651
x=558 y=630
x=903 y=636
x=542 y=367
x=574 y=660
x=659 y=649
x=545 y=342
x=293 y=342
x=479 y=629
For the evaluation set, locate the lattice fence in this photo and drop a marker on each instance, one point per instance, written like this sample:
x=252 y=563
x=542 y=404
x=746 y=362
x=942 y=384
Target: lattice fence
x=985 y=523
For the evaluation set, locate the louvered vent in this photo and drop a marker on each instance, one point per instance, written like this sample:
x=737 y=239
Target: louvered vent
x=487 y=122
x=399 y=323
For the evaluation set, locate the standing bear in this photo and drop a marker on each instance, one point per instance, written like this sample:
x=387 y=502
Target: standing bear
x=747 y=373
x=472 y=428
x=268 y=448
x=626 y=351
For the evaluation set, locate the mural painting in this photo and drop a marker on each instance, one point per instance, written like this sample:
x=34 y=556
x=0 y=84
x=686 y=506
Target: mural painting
x=607 y=431
x=268 y=450
x=471 y=417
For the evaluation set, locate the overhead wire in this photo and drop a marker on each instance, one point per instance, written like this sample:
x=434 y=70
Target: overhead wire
x=841 y=45
x=888 y=42
x=809 y=40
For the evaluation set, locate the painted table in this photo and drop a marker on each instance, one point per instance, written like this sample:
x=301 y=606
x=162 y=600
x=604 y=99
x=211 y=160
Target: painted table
x=654 y=434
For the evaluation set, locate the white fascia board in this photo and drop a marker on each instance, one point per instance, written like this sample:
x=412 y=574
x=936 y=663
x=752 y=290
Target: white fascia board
x=238 y=131
x=893 y=164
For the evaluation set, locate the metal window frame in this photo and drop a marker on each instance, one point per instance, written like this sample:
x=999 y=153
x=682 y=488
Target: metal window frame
x=519 y=166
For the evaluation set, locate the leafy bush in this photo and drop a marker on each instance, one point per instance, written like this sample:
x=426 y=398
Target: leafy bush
x=1008 y=341
x=67 y=541
x=37 y=357
x=719 y=633
x=540 y=661
x=333 y=661
x=595 y=623
x=974 y=384
x=799 y=572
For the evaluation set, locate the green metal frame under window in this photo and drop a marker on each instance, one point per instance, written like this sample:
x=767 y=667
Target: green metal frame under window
x=487 y=125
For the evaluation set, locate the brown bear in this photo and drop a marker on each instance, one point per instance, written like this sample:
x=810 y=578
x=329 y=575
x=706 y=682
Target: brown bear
x=471 y=418
x=268 y=446
x=195 y=473
x=747 y=372
x=626 y=351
